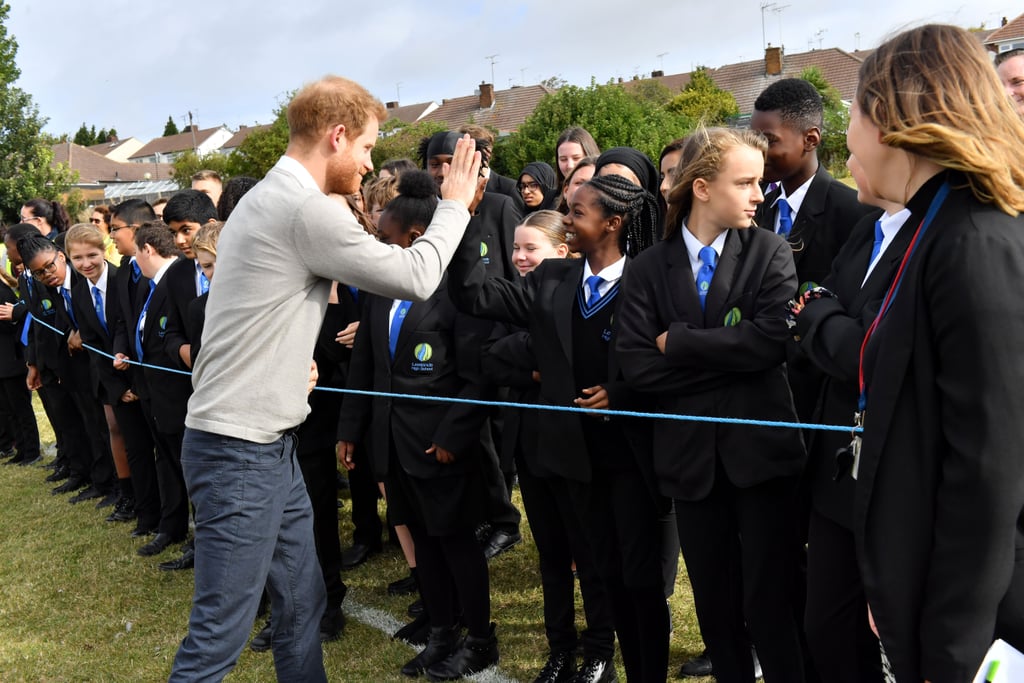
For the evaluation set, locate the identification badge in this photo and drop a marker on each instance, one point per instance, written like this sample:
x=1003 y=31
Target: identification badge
x=848 y=457
x=858 y=421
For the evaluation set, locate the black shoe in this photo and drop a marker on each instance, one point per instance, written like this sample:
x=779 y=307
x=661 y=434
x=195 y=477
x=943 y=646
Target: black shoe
x=124 y=510
x=109 y=500
x=501 y=541
x=356 y=555
x=88 y=493
x=403 y=586
x=596 y=671
x=139 y=532
x=30 y=461
x=332 y=623
x=60 y=474
x=157 y=545
x=415 y=632
x=561 y=666
x=261 y=642
x=473 y=655
x=72 y=484
x=697 y=667
x=186 y=561
x=415 y=609
x=440 y=645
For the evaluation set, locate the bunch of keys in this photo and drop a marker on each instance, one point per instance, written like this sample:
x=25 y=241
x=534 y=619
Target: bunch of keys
x=848 y=457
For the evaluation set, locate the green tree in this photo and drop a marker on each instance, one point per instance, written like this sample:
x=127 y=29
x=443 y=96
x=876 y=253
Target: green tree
x=832 y=151
x=25 y=157
x=703 y=100
x=651 y=91
x=83 y=137
x=188 y=163
x=170 y=128
x=402 y=141
x=614 y=115
x=262 y=148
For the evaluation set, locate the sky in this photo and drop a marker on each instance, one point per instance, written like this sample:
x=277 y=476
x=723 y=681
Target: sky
x=129 y=65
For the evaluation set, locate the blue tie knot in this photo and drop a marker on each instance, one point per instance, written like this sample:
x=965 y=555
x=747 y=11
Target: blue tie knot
x=708 y=256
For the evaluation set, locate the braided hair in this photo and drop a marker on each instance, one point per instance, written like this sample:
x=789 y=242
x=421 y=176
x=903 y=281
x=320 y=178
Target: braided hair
x=638 y=208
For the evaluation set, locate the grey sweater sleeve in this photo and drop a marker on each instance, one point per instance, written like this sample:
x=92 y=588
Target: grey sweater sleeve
x=334 y=246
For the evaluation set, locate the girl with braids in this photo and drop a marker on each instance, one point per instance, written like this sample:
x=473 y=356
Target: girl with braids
x=703 y=332
x=569 y=307
x=50 y=218
x=429 y=455
x=940 y=478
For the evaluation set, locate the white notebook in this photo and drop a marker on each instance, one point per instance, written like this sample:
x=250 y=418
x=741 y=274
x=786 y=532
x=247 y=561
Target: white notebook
x=1003 y=664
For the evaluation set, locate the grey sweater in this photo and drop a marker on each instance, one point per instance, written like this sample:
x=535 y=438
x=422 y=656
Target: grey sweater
x=279 y=251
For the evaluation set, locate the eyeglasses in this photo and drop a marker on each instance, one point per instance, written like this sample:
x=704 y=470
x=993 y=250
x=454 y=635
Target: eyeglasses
x=115 y=228
x=532 y=187
x=26 y=219
x=47 y=270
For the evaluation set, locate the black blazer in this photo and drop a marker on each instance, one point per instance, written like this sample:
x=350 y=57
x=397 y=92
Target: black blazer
x=168 y=391
x=129 y=295
x=48 y=350
x=710 y=367
x=827 y=215
x=941 y=485
x=542 y=303
x=12 y=361
x=831 y=331
x=499 y=184
x=108 y=384
x=496 y=218
x=181 y=291
x=430 y=359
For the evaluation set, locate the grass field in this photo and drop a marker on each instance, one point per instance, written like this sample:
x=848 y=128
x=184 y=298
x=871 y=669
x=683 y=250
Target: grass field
x=77 y=603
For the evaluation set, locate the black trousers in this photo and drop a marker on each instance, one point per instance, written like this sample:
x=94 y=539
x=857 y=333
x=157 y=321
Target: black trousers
x=501 y=513
x=169 y=477
x=17 y=402
x=99 y=461
x=71 y=430
x=367 y=527
x=620 y=520
x=138 y=440
x=319 y=470
x=842 y=646
x=560 y=539
x=739 y=553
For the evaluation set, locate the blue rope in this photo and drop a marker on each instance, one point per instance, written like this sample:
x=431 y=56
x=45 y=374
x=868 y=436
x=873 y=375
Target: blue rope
x=526 y=406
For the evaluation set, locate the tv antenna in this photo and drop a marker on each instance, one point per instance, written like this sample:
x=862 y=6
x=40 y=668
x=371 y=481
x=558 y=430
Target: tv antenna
x=492 y=58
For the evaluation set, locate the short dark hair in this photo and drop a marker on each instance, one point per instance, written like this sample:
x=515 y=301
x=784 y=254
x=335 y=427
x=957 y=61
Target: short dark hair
x=797 y=102
x=1009 y=54
x=191 y=206
x=158 y=236
x=133 y=211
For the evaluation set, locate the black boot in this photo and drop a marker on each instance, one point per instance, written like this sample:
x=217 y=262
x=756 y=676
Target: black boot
x=415 y=632
x=439 y=646
x=473 y=655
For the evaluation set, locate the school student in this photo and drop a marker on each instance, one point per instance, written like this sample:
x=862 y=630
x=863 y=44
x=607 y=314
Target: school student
x=96 y=313
x=570 y=308
x=555 y=524
x=15 y=397
x=538 y=186
x=58 y=361
x=830 y=323
x=130 y=287
x=573 y=146
x=166 y=393
x=940 y=481
x=429 y=453
x=716 y=346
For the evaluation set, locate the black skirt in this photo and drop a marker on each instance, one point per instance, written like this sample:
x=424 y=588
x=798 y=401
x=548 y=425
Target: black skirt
x=441 y=505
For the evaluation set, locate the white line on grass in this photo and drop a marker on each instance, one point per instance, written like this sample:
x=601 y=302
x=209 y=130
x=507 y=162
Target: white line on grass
x=388 y=624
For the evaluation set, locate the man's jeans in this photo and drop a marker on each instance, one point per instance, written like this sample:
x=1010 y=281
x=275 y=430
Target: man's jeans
x=254 y=527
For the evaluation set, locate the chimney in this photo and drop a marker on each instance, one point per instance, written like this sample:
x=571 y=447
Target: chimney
x=391 y=105
x=657 y=74
x=773 y=61
x=486 y=95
